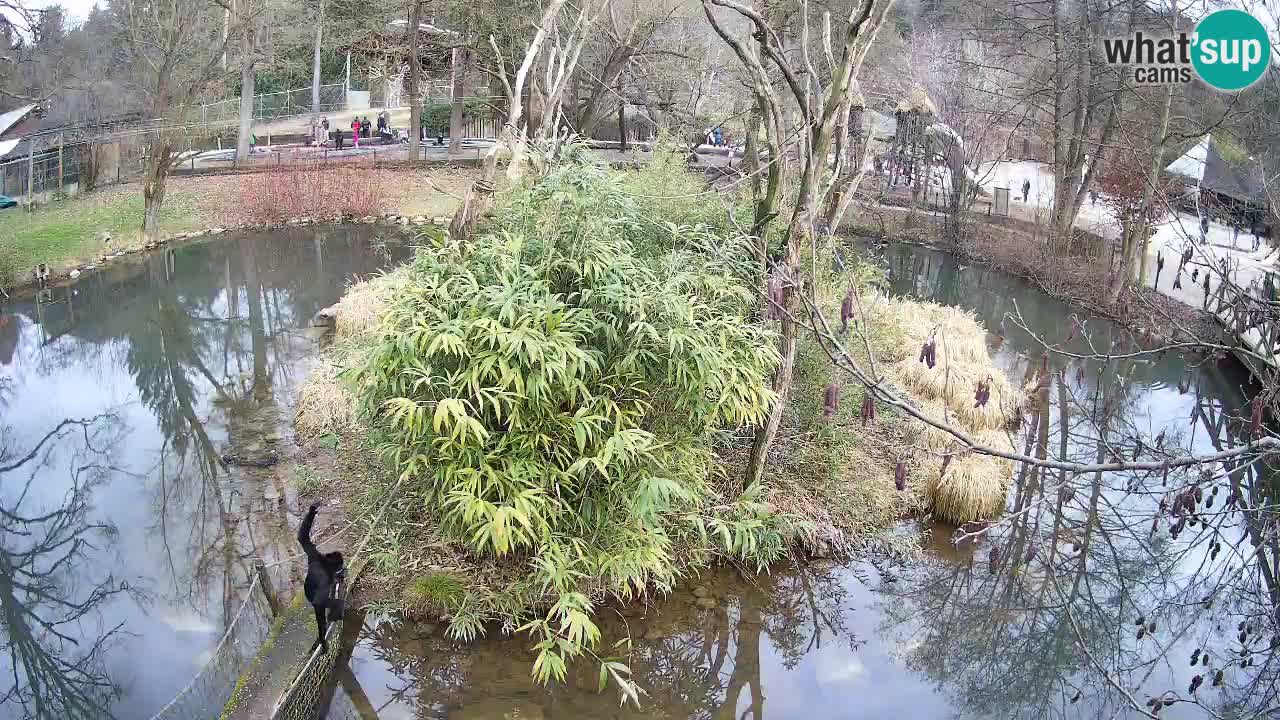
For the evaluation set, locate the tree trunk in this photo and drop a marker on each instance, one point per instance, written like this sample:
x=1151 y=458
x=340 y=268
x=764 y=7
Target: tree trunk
x=415 y=71
x=574 y=113
x=601 y=90
x=622 y=126
x=248 y=78
x=856 y=137
x=535 y=106
x=798 y=232
x=765 y=434
x=153 y=189
x=315 y=65
x=458 y=103
x=1135 y=235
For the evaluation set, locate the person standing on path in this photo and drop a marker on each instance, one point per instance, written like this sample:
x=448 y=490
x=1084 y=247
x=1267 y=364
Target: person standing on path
x=1026 y=189
x=355 y=132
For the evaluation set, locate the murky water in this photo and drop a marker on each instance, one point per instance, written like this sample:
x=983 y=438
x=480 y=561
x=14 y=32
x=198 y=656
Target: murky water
x=125 y=541
x=1027 y=634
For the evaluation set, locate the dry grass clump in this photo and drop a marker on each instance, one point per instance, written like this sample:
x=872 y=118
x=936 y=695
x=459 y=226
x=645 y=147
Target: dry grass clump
x=974 y=486
x=962 y=361
x=326 y=404
x=361 y=308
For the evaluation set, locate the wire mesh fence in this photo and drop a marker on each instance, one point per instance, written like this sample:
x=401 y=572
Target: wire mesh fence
x=213 y=687
x=50 y=170
x=270 y=106
x=303 y=699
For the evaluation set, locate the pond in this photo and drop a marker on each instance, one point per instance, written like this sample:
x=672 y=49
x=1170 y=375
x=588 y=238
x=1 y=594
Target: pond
x=126 y=541
x=1021 y=623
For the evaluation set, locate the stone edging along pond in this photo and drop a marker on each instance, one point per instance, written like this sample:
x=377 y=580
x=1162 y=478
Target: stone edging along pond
x=27 y=280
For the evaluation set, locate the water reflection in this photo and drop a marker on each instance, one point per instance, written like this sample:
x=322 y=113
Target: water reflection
x=705 y=653
x=178 y=357
x=51 y=589
x=1036 y=619
x=1084 y=556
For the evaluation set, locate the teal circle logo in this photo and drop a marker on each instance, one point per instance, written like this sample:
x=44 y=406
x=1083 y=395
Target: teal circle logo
x=1231 y=50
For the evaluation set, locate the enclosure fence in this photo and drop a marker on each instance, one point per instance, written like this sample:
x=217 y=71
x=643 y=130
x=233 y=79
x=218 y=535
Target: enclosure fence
x=50 y=171
x=208 y=693
x=270 y=106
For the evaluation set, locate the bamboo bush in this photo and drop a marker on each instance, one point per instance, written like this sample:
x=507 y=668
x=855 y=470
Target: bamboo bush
x=550 y=391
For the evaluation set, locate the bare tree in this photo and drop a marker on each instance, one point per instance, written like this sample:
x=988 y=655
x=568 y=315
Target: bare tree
x=822 y=107
x=631 y=31
x=315 y=63
x=172 y=53
x=246 y=18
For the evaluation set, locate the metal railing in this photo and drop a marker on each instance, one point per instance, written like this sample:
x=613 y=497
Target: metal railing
x=270 y=106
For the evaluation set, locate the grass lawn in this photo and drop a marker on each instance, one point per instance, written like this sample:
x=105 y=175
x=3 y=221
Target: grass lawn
x=67 y=233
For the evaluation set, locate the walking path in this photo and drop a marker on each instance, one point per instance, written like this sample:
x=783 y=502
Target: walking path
x=1173 y=235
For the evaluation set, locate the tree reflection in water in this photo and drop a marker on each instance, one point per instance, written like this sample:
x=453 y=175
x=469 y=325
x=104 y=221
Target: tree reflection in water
x=1097 y=593
x=52 y=579
x=201 y=347
x=697 y=654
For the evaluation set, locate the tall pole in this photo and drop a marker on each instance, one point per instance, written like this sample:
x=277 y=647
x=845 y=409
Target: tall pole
x=60 y=167
x=348 y=81
x=315 y=66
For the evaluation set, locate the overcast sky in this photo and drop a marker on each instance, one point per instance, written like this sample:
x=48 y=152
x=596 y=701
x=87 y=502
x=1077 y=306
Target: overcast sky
x=77 y=10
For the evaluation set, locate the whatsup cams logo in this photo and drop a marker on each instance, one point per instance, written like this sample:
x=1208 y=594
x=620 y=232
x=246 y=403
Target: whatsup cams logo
x=1229 y=50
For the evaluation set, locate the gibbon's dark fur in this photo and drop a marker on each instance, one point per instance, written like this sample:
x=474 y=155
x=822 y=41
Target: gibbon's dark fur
x=324 y=570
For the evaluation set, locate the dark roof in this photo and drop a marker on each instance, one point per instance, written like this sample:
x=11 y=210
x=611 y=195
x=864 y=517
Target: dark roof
x=1204 y=164
x=1243 y=182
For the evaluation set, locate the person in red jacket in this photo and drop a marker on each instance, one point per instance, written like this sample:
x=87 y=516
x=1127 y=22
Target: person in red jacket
x=355 y=132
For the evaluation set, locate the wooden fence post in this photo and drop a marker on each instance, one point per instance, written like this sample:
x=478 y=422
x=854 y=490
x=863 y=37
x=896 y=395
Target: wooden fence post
x=31 y=174
x=264 y=581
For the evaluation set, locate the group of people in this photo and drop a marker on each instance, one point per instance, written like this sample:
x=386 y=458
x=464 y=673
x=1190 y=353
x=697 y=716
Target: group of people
x=361 y=127
x=1258 y=230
